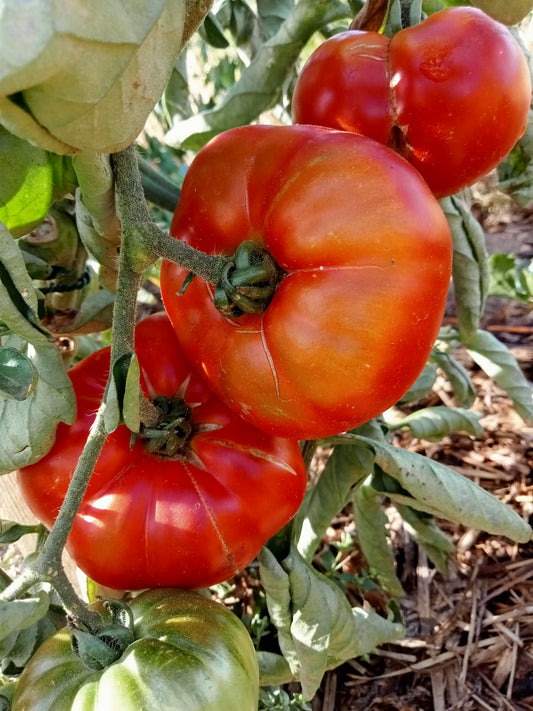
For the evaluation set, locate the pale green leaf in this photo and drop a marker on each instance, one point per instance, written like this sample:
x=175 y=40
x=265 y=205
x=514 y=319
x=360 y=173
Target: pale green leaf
x=18 y=297
x=458 y=376
x=88 y=81
x=421 y=386
x=433 y=423
x=19 y=614
x=440 y=491
x=344 y=469
x=428 y=536
x=470 y=270
x=27 y=428
x=495 y=359
x=131 y=408
x=317 y=628
x=260 y=84
x=371 y=529
x=274 y=669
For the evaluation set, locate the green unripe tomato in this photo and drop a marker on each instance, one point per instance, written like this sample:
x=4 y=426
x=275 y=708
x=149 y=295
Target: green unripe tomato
x=189 y=654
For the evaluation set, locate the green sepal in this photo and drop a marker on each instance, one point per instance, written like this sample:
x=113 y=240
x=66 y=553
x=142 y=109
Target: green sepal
x=95 y=653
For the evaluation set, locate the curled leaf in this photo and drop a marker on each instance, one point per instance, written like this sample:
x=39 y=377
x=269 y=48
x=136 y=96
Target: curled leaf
x=74 y=81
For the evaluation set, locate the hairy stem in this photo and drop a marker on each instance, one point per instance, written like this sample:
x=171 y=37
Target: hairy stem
x=47 y=566
x=146 y=242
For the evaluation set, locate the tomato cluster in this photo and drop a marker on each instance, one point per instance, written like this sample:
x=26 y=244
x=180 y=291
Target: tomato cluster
x=338 y=263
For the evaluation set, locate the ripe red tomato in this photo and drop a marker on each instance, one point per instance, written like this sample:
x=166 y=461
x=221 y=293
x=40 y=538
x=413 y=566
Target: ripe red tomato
x=365 y=253
x=450 y=94
x=189 y=520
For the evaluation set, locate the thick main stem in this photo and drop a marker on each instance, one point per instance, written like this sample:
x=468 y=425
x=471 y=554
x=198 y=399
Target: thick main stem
x=47 y=566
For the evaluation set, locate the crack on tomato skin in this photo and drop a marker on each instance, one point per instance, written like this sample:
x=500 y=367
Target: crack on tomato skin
x=256 y=453
x=270 y=359
x=149 y=515
x=227 y=551
x=397 y=141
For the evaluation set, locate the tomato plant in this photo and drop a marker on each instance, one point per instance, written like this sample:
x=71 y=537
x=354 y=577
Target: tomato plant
x=450 y=94
x=364 y=257
x=189 y=653
x=184 y=514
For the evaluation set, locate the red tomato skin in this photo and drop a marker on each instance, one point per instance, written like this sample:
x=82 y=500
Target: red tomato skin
x=456 y=87
x=358 y=62
x=152 y=522
x=366 y=252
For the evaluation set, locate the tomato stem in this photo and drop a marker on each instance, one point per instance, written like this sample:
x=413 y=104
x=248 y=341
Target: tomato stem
x=371 y=16
x=47 y=565
x=146 y=242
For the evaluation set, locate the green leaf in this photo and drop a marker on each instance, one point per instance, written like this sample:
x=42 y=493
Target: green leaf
x=345 y=468
x=317 y=628
x=6 y=695
x=10 y=531
x=17 y=615
x=212 y=32
x=515 y=172
x=371 y=528
x=123 y=396
x=428 y=536
x=27 y=428
x=511 y=277
x=457 y=374
x=470 y=270
x=433 y=423
x=26 y=183
x=16 y=311
x=96 y=215
x=436 y=489
x=131 y=406
x=260 y=84
x=273 y=13
x=421 y=386
x=17 y=374
x=274 y=669
x=22 y=650
x=495 y=359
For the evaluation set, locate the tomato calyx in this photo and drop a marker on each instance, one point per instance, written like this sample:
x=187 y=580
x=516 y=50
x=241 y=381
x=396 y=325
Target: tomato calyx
x=98 y=650
x=173 y=429
x=248 y=282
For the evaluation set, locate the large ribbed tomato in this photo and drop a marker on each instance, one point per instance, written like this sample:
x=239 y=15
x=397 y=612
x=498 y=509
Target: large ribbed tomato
x=450 y=94
x=189 y=519
x=364 y=253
